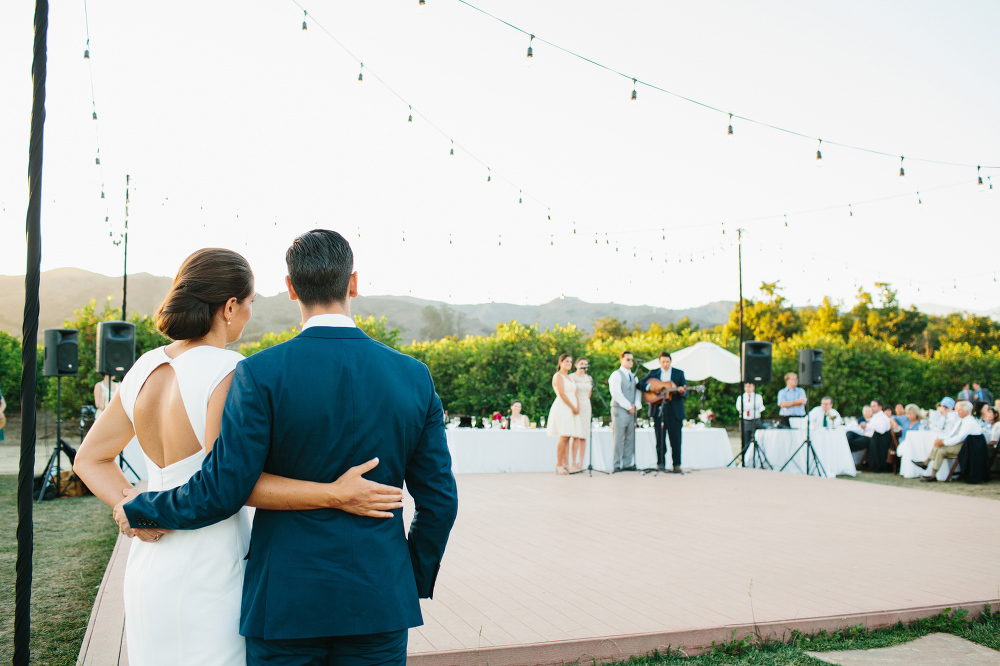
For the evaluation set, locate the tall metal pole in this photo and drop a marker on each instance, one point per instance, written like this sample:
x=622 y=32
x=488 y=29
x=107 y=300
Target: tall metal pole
x=743 y=408
x=125 y=268
x=29 y=344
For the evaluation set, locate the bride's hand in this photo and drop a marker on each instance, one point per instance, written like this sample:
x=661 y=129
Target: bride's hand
x=355 y=494
x=120 y=516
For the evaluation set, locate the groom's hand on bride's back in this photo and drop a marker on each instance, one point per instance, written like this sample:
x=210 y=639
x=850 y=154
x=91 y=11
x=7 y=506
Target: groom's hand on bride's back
x=355 y=494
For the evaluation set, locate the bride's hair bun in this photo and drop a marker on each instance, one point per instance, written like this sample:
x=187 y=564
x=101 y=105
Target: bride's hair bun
x=205 y=281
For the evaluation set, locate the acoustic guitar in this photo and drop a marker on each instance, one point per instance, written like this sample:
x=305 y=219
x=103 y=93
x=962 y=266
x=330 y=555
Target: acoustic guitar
x=665 y=391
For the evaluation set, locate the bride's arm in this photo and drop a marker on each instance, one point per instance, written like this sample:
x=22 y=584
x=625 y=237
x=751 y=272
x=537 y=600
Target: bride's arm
x=351 y=492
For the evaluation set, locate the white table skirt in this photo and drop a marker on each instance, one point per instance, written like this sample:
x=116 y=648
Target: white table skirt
x=476 y=451
x=915 y=446
x=701 y=448
x=830 y=445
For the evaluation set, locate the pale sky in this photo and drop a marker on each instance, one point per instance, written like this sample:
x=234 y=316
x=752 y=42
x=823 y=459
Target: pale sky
x=241 y=130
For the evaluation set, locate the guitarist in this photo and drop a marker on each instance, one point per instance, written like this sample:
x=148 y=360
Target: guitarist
x=672 y=411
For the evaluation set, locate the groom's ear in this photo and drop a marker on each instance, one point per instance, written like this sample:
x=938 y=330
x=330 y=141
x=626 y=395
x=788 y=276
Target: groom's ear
x=291 y=290
x=352 y=287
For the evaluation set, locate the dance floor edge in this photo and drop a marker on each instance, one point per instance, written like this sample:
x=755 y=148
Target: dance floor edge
x=548 y=569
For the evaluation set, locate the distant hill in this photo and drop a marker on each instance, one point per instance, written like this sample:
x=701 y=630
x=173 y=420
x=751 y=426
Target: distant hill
x=66 y=289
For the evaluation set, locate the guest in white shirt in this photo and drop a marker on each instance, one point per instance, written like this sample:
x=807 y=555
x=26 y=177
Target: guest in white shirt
x=825 y=416
x=949 y=446
x=751 y=412
x=626 y=400
x=878 y=422
x=944 y=418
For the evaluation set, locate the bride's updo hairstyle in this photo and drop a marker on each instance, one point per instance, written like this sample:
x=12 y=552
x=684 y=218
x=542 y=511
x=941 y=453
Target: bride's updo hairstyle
x=206 y=280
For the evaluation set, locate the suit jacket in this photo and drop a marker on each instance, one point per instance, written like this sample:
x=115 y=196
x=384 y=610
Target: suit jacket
x=674 y=408
x=310 y=409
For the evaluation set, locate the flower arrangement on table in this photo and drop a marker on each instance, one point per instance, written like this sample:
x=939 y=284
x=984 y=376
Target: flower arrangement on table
x=498 y=420
x=706 y=416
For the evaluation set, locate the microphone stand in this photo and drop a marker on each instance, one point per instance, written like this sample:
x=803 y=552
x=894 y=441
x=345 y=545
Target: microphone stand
x=590 y=443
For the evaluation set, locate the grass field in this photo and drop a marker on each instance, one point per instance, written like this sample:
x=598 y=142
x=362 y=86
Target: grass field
x=985 y=630
x=989 y=490
x=73 y=541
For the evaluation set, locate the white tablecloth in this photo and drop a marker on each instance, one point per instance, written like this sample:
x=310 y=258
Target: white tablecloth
x=701 y=448
x=830 y=445
x=476 y=451
x=915 y=446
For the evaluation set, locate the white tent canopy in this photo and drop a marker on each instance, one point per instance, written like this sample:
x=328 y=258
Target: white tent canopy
x=703 y=360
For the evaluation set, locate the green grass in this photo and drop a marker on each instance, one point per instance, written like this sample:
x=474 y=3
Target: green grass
x=984 y=630
x=989 y=490
x=73 y=542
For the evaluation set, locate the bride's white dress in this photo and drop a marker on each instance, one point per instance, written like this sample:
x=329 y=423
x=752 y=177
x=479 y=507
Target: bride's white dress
x=183 y=593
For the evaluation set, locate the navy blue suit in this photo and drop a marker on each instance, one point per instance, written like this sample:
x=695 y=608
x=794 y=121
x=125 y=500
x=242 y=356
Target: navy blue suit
x=674 y=413
x=311 y=408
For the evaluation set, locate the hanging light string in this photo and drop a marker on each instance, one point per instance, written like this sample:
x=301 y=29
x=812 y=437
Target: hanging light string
x=413 y=111
x=714 y=108
x=97 y=133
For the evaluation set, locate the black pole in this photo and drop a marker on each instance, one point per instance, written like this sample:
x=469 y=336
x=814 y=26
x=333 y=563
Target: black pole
x=125 y=268
x=29 y=344
x=743 y=408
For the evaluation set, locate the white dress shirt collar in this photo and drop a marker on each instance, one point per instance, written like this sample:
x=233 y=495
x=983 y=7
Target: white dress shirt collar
x=336 y=320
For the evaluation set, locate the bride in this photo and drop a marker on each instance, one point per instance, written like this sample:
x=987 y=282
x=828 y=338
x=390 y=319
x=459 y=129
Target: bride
x=183 y=589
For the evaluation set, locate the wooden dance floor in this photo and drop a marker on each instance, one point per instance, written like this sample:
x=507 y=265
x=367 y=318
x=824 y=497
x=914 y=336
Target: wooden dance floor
x=546 y=569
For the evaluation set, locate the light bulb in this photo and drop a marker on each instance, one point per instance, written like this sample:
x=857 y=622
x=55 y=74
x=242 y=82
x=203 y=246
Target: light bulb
x=531 y=53
x=850 y=211
x=422 y=3
x=95 y=115
x=633 y=90
x=520 y=198
x=304 y=25
x=902 y=172
x=361 y=73
x=410 y=119
x=452 y=147
x=730 y=131
x=919 y=200
x=979 y=177
x=819 y=153
x=489 y=175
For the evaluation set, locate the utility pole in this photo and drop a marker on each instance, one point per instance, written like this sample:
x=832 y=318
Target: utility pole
x=125 y=268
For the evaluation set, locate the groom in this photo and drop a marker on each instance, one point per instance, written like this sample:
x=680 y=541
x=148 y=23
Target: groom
x=325 y=586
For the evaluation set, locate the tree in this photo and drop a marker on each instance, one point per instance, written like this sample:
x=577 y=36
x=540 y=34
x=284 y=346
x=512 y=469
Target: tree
x=888 y=322
x=971 y=329
x=610 y=328
x=770 y=319
x=826 y=320
x=442 y=322
x=378 y=329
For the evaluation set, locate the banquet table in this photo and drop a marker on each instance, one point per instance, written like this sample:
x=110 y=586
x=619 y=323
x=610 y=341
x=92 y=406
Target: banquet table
x=830 y=444
x=915 y=446
x=479 y=451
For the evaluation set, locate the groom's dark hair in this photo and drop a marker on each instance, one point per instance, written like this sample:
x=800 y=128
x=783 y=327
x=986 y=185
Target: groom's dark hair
x=320 y=263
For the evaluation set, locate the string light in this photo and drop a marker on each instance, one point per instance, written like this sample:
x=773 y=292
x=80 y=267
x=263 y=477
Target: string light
x=850 y=211
x=489 y=175
x=531 y=53
x=305 y=26
x=919 y=201
x=550 y=214
x=422 y=3
x=730 y=131
x=786 y=221
x=86 y=51
x=520 y=198
x=361 y=73
x=979 y=177
x=452 y=152
x=633 y=90
x=902 y=173
x=410 y=119
x=819 y=154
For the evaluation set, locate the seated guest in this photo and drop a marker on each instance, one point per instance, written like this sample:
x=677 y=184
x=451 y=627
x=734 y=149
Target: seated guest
x=981 y=394
x=912 y=421
x=944 y=417
x=877 y=423
x=948 y=446
x=977 y=411
x=996 y=406
x=900 y=409
x=825 y=416
x=987 y=420
x=517 y=419
x=866 y=413
x=791 y=399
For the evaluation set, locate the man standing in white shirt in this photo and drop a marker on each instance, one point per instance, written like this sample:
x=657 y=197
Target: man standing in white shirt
x=825 y=416
x=750 y=405
x=625 y=403
x=949 y=446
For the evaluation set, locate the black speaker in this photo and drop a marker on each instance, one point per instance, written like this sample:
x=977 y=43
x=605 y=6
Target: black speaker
x=756 y=362
x=115 y=347
x=61 y=352
x=810 y=367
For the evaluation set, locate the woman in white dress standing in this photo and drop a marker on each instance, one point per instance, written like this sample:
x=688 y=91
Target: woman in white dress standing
x=584 y=388
x=564 y=412
x=183 y=589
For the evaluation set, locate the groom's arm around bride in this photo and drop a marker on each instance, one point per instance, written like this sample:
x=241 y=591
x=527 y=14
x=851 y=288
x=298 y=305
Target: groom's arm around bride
x=312 y=408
